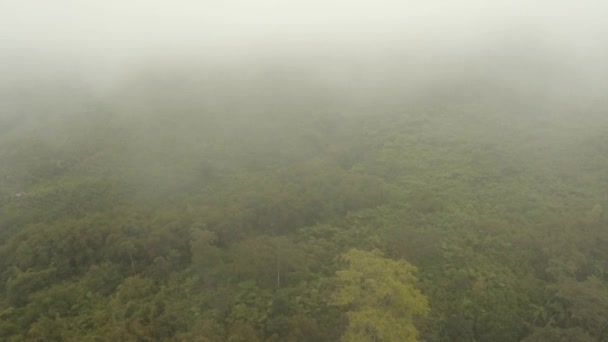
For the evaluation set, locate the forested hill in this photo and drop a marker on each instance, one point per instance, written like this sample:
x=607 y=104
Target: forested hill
x=214 y=210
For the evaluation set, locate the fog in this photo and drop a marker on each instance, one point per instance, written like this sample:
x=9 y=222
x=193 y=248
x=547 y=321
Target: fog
x=148 y=59
x=106 y=40
x=290 y=170
x=332 y=57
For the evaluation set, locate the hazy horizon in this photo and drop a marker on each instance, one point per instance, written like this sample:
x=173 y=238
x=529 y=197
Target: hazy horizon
x=106 y=40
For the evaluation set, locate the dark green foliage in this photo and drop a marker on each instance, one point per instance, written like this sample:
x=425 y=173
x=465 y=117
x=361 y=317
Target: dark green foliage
x=559 y=335
x=226 y=220
x=22 y=284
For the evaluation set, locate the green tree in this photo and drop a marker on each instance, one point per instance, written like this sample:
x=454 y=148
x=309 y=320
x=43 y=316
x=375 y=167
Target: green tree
x=586 y=303
x=271 y=261
x=380 y=297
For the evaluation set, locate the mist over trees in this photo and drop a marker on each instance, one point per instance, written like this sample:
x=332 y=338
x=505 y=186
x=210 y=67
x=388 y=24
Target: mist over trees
x=319 y=175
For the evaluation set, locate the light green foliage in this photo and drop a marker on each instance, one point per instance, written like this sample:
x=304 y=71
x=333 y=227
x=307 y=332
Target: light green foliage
x=380 y=297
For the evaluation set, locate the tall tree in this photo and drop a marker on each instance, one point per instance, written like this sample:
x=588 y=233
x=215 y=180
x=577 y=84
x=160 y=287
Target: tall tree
x=380 y=296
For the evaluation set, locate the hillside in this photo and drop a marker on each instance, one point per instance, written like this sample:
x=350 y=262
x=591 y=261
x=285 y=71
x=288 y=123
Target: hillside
x=176 y=209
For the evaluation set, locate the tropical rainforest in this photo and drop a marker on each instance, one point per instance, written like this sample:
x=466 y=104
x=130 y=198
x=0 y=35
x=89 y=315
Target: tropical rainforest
x=303 y=171
x=275 y=206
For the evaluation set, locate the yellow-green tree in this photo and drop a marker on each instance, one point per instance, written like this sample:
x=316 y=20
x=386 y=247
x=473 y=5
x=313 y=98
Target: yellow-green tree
x=381 y=298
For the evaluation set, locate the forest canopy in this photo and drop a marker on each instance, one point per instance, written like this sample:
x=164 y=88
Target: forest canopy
x=442 y=221
x=213 y=172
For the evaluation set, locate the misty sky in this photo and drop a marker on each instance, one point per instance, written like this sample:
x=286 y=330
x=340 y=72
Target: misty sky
x=131 y=27
x=111 y=37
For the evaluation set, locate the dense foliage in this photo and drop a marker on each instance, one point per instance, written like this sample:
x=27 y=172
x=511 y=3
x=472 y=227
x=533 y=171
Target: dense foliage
x=157 y=215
